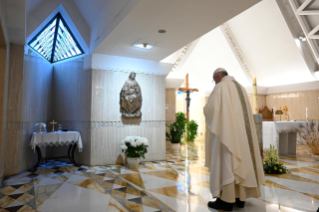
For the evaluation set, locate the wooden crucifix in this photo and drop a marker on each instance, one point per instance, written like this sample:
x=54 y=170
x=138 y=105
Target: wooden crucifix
x=187 y=90
x=53 y=123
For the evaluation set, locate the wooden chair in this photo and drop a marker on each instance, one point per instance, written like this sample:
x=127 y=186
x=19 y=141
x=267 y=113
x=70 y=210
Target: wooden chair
x=268 y=115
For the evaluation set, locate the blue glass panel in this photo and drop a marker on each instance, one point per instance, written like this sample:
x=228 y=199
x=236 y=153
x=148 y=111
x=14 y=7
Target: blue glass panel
x=66 y=45
x=43 y=42
x=56 y=42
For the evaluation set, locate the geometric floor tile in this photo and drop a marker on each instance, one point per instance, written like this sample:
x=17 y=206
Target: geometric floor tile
x=134 y=178
x=177 y=193
x=42 y=193
x=15 y=203
x=48 y=181
x=152 y=182
x=181 y=183
x=169 y=174
x=88 y=184
x=77 y=177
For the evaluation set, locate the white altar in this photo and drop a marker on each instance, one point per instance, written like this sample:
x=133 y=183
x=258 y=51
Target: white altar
x=282 y=135
x=71 y=138
x=59 y=138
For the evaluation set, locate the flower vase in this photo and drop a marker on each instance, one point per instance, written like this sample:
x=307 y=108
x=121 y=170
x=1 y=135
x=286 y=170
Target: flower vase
x=133 y=162
x=175 y=147
x=315 y=157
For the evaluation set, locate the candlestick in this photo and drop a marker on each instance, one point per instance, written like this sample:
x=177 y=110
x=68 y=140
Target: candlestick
x=255 y=106
x=307 y=114
x=274 y=114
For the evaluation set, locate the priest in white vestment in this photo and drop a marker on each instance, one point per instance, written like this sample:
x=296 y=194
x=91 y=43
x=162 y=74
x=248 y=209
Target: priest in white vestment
x=232 y=152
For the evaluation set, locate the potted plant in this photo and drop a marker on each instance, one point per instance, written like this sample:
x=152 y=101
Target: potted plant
x=134 y=147
x=176 y=131
x=271 y=162
x=309 y=136
x=191 y=131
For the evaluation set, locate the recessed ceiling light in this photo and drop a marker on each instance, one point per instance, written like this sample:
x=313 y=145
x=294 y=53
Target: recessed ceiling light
x=143 y=45
x=161 y=31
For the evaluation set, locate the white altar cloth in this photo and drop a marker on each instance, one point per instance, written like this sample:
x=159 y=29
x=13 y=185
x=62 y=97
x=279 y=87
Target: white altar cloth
x=272 y=130
x=59 y=138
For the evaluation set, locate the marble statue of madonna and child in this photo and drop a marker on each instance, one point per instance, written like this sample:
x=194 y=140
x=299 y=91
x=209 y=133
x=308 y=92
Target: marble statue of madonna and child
x=131 y=98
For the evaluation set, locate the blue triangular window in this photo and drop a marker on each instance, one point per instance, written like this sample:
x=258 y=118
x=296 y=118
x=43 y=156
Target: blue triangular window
x=55 y=42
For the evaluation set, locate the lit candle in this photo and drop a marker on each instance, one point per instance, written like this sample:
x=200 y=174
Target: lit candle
x=274 y=114
x=255 y=107
x=307 y=114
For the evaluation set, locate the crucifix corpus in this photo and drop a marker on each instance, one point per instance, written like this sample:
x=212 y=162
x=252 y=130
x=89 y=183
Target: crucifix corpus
x=53 y=123
x=187 y=90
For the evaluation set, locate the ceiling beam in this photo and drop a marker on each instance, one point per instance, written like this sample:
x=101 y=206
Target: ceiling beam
x=310 y=12
x=316 y=37
x=304 y=5
x=237 y=52
x=313 y=31
x=305 y=28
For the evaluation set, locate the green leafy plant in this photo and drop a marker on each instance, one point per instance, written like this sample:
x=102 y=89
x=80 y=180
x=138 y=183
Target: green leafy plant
x=271 y=163
x=177 y=128
x=134 y=146
x=191 y=131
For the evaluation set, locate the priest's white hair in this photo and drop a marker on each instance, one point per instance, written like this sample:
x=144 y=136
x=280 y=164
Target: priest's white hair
x=221 y=70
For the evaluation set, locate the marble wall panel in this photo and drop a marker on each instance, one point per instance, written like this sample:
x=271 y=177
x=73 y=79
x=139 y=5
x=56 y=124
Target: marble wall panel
x=297 y=103
x=4 y=72
x=170 y=105
x=29 y=102
x=107 y=86
x=72 y=104
x=261 y=101
x=36 y=104
x=105 y=141
x=14 y=109
x=197 y=114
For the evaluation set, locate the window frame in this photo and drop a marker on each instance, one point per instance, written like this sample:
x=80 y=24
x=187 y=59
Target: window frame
x=58 y=17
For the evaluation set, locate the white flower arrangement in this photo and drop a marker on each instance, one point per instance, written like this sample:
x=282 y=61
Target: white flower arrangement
x=40 y=125
x=134 y=146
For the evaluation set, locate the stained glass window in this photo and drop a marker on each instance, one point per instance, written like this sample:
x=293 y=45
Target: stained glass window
x=56 y=41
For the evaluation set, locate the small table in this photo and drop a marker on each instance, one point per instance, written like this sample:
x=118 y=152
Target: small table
x=60 y=138
x=282 y=135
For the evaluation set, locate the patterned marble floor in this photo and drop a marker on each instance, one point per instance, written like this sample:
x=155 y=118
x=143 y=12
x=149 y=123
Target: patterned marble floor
x=180 y=183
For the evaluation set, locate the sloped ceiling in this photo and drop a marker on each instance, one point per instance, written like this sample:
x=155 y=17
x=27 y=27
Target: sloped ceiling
x=266 y=43
x=268 y=46
x=31 y=5
x=211 y=52
x=114 y=26
x=103 y=16
x=184 y=22
x=94 y=19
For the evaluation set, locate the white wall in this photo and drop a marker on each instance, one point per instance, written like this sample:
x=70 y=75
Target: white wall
x=36 y=104
x=211 y=52
x=110 y=128
x=125 y=64
x=72 y=104
x=267 y=44
x=88 y=101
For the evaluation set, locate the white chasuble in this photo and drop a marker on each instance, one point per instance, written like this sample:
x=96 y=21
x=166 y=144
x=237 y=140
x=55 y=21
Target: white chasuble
x=232 y=152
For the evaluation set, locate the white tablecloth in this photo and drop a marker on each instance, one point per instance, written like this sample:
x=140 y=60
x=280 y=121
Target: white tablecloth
x=57 y=139
x=272 y=129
